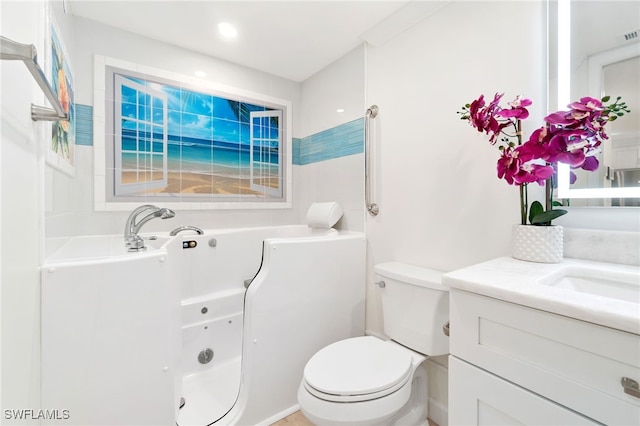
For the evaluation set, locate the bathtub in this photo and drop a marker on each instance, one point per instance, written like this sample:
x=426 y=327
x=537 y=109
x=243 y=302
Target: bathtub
x=225 y=320
x=110 y=335
x=211 y=355
x=263 y=301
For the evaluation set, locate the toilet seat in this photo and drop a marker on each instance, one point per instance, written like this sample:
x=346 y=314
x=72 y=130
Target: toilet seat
x=357 y=369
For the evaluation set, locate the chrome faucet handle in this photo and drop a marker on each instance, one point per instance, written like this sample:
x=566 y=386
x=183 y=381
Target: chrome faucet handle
x=130 y=223
x=156 y=213
x=186 y=228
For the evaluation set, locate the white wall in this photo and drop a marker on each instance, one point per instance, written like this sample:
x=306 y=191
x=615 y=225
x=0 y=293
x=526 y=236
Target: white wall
x=70 y=200
x=441 y=203
x=21 y=143
x=339 y=85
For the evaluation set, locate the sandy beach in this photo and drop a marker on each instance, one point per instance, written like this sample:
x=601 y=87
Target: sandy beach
x=196 y=183
x=199 y=183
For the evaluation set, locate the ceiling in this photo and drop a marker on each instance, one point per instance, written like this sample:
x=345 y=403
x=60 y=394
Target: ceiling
x=292 y=39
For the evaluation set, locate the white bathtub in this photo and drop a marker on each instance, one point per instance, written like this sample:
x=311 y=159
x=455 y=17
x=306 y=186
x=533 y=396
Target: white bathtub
x=307 y=290
x=110 y=334
x=153 y=313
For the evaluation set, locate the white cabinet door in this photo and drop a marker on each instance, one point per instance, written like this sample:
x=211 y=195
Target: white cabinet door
x=477 y=397
x=577 y=364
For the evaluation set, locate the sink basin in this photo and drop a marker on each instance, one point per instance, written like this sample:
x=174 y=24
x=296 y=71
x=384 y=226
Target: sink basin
x=614 y=284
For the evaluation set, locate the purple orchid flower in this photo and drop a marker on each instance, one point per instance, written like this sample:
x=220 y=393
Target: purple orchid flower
x=518 y=169
x=518 y=110
x=483 y=118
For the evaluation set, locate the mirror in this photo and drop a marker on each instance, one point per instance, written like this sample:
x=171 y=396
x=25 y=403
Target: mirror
x=595 y=51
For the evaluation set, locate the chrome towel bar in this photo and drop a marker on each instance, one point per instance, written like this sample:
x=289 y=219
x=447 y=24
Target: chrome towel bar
x=27 y=53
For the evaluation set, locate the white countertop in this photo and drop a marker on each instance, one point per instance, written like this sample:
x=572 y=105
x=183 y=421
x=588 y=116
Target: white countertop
x=518 y=282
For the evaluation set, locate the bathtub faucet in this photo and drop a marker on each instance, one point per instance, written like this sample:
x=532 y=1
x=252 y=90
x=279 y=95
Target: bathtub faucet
x=186 y=228
x=132 y=227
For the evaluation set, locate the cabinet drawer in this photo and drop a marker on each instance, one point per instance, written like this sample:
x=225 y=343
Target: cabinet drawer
x=575 y=363
x=477 y=397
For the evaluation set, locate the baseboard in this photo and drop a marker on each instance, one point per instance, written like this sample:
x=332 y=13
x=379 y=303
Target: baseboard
x=281 y=415
x=438 y=413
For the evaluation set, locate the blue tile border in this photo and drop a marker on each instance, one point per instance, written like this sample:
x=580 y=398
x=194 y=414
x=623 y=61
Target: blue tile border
x=84 y=125
x=340 y=141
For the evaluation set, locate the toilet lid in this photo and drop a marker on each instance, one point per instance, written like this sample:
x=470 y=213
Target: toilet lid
x=358 y=366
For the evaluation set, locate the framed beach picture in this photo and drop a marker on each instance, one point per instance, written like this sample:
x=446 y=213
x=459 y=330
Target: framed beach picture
x=60 y=152
x=168 y=139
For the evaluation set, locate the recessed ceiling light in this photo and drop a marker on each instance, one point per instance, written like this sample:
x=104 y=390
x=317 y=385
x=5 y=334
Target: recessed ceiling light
x=227 y=30
x=340 y=110
x=200 y=74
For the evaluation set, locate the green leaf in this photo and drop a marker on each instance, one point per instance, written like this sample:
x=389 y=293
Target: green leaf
x=535 y=209
x=556 y=204
x=545 y=218
x=606 y=98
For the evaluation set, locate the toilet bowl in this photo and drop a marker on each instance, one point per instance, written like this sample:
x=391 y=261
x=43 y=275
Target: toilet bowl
x=370 y=381
x=360 y=381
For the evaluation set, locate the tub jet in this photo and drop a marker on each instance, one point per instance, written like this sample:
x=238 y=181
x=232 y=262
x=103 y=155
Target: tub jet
x=205 y=356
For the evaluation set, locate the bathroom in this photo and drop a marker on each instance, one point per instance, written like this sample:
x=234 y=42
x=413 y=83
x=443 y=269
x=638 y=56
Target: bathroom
x=441 y=206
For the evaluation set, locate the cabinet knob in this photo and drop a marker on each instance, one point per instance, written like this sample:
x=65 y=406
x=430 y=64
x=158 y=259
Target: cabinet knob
x=630 y=387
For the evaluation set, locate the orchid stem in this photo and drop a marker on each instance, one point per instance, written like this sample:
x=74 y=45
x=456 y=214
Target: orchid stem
x=523 y=204
x=548 y=193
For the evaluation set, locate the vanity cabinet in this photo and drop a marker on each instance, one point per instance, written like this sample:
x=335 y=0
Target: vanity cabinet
x=477 y=397
x=512 y=364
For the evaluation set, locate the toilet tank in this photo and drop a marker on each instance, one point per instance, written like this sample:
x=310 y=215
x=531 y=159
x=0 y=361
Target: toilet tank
x=415 y=306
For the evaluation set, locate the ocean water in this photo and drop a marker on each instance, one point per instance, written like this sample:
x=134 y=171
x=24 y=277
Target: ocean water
x=196 y=154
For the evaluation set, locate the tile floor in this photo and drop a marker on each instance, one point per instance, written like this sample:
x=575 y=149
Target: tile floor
x=298 y=419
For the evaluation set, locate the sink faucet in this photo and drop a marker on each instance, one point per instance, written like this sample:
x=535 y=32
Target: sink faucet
x=132 y=227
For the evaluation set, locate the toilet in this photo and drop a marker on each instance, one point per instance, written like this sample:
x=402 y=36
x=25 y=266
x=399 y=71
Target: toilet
x=370 y=381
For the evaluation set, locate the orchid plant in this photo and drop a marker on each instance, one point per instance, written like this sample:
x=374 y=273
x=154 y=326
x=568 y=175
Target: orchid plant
x=571 y=137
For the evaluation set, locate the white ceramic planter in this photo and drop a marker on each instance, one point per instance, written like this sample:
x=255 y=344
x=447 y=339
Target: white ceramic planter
x=543 y=244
